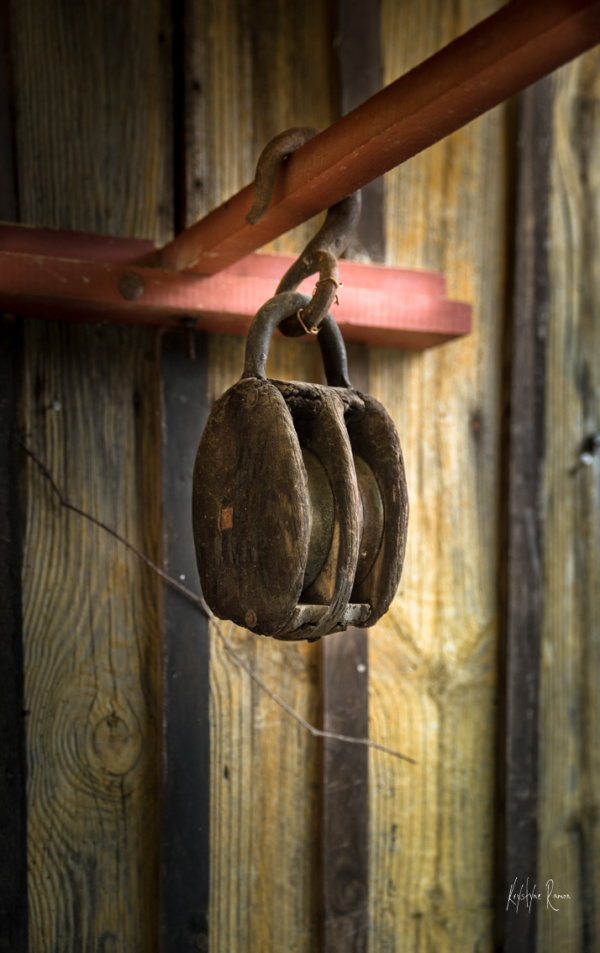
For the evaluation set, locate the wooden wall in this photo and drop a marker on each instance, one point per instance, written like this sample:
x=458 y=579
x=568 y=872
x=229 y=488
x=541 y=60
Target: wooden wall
x=570 y=661
x=93 y=152
x=113 y=134
x=433 y=658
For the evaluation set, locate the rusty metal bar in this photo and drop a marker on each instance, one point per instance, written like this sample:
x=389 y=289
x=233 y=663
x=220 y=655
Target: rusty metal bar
x=499 y=57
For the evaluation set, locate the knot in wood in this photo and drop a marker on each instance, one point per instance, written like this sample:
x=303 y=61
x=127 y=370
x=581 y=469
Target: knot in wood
x=349 y=890
x=117 y=745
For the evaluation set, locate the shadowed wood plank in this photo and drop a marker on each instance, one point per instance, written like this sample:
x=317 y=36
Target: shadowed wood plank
x=517 y=833
x=93 y=152
x=13 y=844
x=570 y=716
x=432 y=659
x=360 y=75
x=345 y=793
x=186 y=748
x=345 y=824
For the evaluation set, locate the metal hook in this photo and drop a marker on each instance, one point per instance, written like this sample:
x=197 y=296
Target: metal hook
x=322 y=251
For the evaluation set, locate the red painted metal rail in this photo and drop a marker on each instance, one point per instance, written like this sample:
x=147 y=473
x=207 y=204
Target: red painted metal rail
x=74 y=276
x=499 y=57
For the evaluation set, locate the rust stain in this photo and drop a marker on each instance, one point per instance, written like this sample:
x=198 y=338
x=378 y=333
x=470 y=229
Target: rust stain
x=226 y=520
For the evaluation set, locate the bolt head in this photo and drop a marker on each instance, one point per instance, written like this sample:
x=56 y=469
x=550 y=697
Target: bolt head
x=131 y=285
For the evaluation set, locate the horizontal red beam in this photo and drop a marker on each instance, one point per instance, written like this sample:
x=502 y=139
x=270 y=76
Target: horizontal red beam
x=499 y=57
x=79 y=246
x=76 y=277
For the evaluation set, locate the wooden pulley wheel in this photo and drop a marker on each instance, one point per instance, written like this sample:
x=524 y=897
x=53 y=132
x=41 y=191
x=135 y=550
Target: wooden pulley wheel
x=299 y=496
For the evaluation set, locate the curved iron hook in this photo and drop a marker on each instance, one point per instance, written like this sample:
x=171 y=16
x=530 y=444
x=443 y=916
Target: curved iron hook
x=322 y=251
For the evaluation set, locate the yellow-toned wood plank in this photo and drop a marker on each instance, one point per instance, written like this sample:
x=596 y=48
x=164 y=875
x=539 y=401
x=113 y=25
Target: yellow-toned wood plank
x=91 y=642
x=92 y=128
x=433 y=658
x=570 y=716
x=262 y=67
x=91 y=85
x=253 y=71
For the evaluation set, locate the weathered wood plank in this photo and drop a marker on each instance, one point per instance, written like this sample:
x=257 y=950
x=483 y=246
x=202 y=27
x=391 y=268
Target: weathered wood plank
x=92 y=116
x=93 y=152
x=13 y=844
x=433 y=658
x=269 y=70
x=345 y=783
x=360 y=75
x=345 y=825
x=91 y=642
x=8 y=190
x=186 y=738
x=570 y=716
x=345 y=657
x=516 y=836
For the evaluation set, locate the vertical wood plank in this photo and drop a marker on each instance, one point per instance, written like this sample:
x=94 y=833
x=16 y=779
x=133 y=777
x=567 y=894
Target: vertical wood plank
x=186 y=751
x=91 y=642
x=360 y=75
x=432 y=660
x=92 y=109
x=13 y=844
x=13 y=861
x=345 y=820
x=517 y=834
x=345 y=656
x=255 y=69
x=345 y=786
x=92 y=100
x=569 y=716
x=8 y=190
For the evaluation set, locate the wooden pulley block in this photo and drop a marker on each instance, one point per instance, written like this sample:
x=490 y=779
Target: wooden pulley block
x=299 y=496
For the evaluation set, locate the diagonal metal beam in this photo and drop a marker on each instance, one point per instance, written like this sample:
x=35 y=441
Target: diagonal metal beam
x=502 y=55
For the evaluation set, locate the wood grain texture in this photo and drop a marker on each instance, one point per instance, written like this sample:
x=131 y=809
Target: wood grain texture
x=93 y=152
x=345 y=823
x=345 y=798
x=91 y=642
x=186 y=714
x=13 y=842
x=8 y=188
x=253 y=70
x=360 y=75
x=92 y=116
x=344 y=672
x=517 y=825
x=433 y=658
x=570 y=719
x=13 y=800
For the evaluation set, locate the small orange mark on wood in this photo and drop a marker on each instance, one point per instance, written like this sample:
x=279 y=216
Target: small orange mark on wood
x=226 y=521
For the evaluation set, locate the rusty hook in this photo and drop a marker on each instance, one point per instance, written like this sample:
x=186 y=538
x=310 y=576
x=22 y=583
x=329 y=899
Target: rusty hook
x=322 y=251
